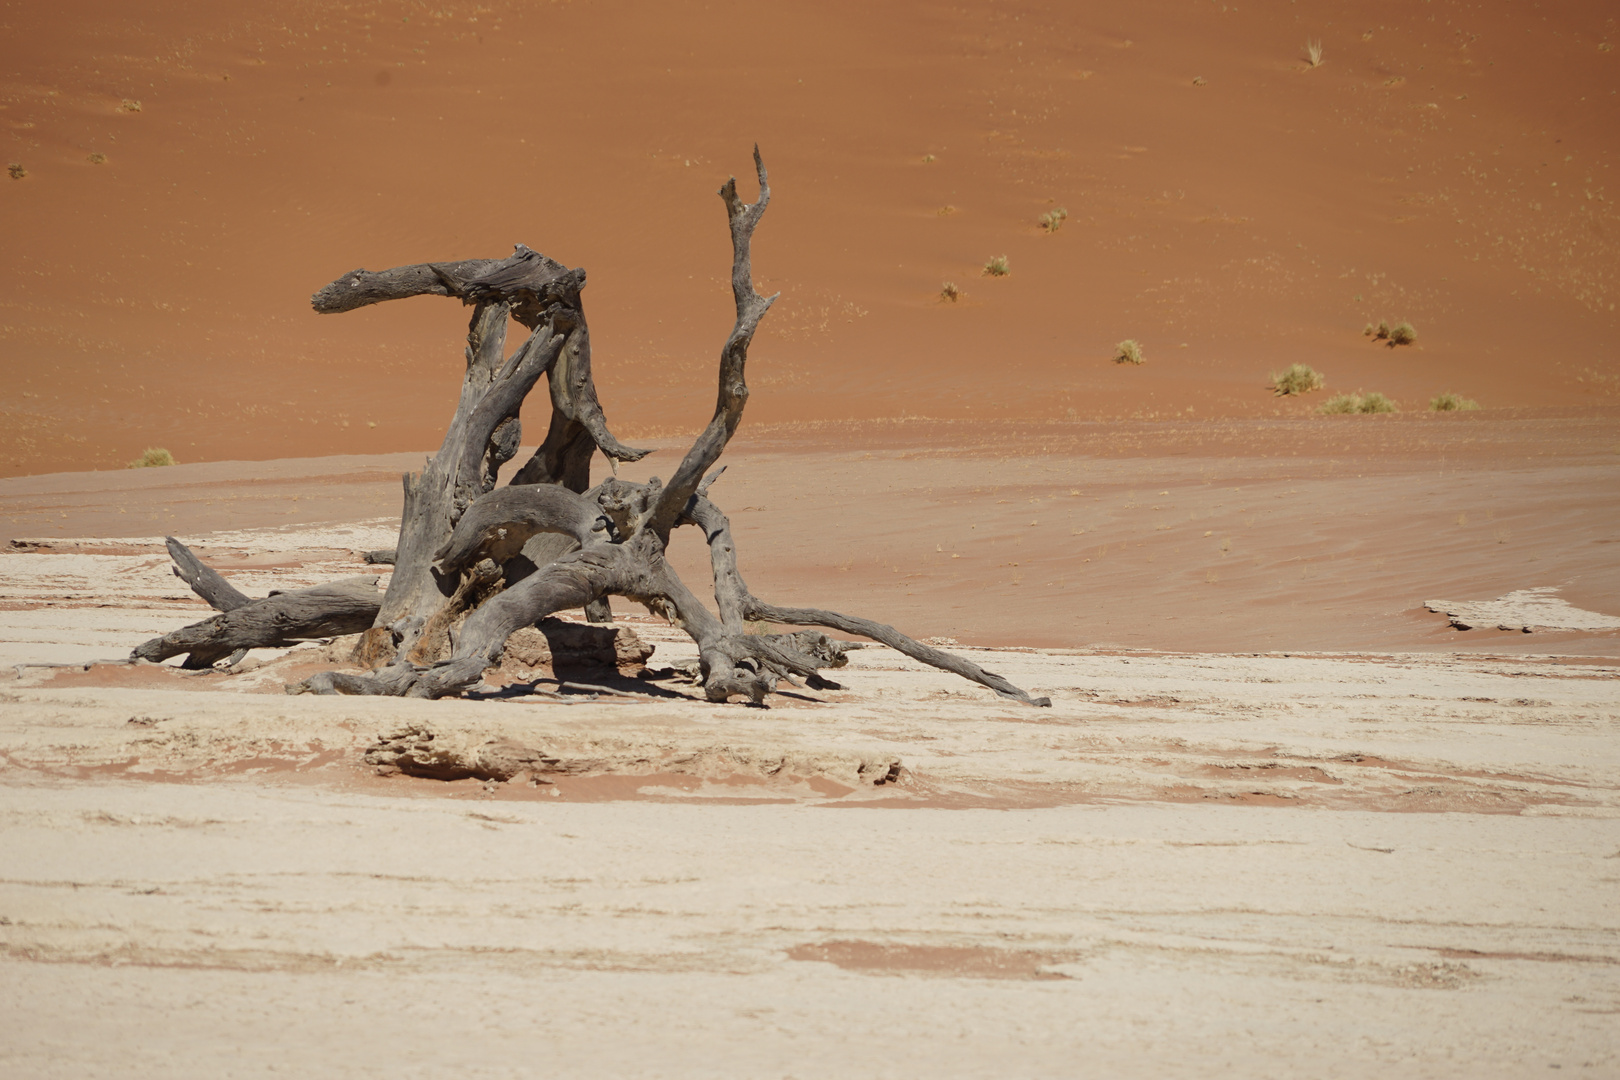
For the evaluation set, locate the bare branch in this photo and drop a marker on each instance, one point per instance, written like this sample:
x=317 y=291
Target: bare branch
x=733 y=394
x=204 y=580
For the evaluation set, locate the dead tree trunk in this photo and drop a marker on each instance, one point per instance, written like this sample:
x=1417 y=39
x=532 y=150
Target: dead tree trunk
x=474 y=564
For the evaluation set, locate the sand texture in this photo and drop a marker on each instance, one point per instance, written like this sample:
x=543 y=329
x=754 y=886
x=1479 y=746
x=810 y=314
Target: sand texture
x=1398 y=863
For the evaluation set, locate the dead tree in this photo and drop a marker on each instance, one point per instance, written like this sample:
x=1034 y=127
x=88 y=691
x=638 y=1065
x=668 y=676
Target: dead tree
x=475 y=564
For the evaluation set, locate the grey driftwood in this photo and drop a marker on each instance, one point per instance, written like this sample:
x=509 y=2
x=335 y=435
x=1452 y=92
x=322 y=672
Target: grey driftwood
x=341 y=607
x=475 y=564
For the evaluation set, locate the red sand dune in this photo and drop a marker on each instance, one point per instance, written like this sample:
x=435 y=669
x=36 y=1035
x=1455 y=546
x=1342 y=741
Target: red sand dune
x=1449 y=163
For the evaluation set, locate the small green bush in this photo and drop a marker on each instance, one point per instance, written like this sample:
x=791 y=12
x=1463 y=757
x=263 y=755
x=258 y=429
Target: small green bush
x=1298 y=379
x=1449 y=402
x=1053 y=220
x=1371 y=402
x=1128 y=351
x=154 y=457
x=997 y=267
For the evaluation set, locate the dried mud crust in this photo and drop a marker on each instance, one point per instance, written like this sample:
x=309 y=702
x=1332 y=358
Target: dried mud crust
x=1403 y=734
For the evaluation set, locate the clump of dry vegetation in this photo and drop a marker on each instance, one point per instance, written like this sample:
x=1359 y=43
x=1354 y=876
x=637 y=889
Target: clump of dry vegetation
x=1402 y=333
x=1449 y=402
x=1313 y=53
x=16 y=170
x=1053 y=220
x=1298 y=379
x=98 y=158
x=950 y=292
x=130 y=105
x=1344 y=404
x=929 y=159
x=1199 y=80
x=155 y=457
x=1128 y=351
x=997 y=267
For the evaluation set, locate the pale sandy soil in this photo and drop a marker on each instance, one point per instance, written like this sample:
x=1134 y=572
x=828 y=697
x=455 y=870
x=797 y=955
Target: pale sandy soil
x=1393 y=859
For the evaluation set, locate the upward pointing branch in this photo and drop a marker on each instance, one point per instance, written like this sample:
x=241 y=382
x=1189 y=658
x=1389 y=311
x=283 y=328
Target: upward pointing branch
x=728 y=409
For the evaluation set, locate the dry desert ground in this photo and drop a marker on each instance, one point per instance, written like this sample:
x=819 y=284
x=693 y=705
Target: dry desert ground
x=1285 y=816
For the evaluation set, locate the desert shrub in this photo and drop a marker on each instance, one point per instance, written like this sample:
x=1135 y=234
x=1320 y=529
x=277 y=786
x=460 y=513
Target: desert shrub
x=154 y=457
x=130 y=105
x=1371 y=402
x=1340 y=403
x=1298 y=379
x=1313 y=52
x=929 y=159
x=98 y=159
x=1449 y=402
x=950 y=292
x=1053 y=220
x=1128 y=351
x=1402 y=333
x=997 y=267
x=16 y=170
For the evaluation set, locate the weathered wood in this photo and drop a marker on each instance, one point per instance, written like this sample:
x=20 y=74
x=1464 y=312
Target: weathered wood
x=220 y=594
x=525 y=280
x=498 y=525
x=509 y=559
x=436 y=497
x=543 y=295
x=340 y=607
x=733 y=393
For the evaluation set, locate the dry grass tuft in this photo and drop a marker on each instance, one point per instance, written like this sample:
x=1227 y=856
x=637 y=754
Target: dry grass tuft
x=929 y=159
x=1053 y=220
x=1128 y=351
x=155 y=457
x=1313 y=53
x=130 y=105
x=950 y=292
x=1402 y=333
x=1345 y=404
x=98 y=159
x=1199 y=80
x=1298 y=379
x=16 y=170
x=997 y=267
x=1449 y=402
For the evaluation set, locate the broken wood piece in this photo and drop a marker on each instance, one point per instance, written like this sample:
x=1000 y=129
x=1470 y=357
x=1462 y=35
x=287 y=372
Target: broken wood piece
x=204 y=580
x=340 y=607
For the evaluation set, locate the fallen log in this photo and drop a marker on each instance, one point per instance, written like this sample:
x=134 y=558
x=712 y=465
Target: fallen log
x=279 y=620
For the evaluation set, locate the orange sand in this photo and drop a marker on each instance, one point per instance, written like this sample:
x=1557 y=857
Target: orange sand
x=1446 y=164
